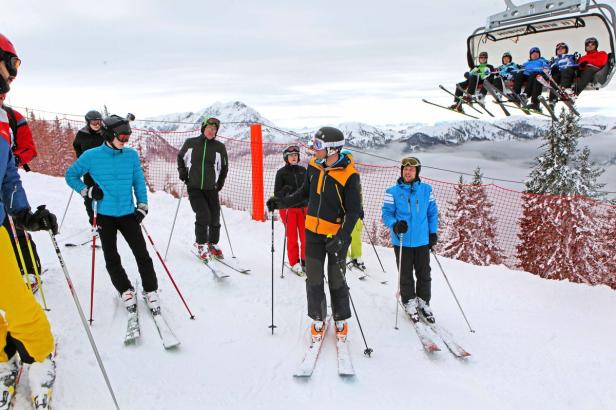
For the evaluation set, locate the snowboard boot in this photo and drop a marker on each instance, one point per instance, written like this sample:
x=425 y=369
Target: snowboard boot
x=41 y=377
x=215 y=250
x=9 y=372
x=317 y=330
x=425 y=310
x=202 y=251
x=410 y=308
x=152 y=300
x=130 y=301
x=341 y=330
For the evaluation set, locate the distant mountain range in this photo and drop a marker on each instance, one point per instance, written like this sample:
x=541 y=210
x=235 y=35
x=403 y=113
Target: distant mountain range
x=237 y=116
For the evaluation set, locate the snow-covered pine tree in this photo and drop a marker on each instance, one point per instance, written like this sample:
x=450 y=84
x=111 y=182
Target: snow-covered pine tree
x=559 y=230
x=472 y=234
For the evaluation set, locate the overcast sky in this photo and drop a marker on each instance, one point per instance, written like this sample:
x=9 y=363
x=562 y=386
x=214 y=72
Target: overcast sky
x=297 y=63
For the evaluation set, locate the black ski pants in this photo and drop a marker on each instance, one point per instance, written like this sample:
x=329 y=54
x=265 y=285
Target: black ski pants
x=533 y=87
x=206 y=206
x=23 y=246
x=417 y=259
x=336 y=270
x=127 y=225
x=584 y=78
x=470 y=85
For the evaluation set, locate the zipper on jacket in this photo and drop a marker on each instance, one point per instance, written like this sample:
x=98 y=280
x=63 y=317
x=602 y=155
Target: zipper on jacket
x=320 y=198
x=203 y=162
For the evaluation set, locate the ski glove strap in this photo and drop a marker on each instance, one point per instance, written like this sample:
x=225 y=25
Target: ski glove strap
x=94 y=192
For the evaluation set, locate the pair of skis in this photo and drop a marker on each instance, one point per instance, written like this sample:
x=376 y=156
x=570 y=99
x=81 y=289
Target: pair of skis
x=364 y=274
x=40 y=395
x=212 y=265
x=345 y=364
x=133 y=330
x=427 y=332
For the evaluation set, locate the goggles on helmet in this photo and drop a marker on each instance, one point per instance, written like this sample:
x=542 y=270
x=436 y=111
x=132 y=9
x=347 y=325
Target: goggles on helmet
x=212 y=121
x=319 y=144
x=123 y=137
x=293 y=149
x=410 y=161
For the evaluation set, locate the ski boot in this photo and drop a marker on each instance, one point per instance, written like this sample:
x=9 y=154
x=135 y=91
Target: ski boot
x=41 y=377
x=297 y=269
x=456 y=107
x=153 y=301
x=130 y=302
x=570 y=94
x=202 y=252
x=317 y=330
x=34 y=285
x=215 y=250
x=425 y=310
x=341 y=330
x=410 y=308
x=358 y=264
x=9 y=374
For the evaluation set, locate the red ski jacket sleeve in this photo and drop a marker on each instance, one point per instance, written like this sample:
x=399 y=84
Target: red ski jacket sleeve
x=24 y=143
x=596 y=58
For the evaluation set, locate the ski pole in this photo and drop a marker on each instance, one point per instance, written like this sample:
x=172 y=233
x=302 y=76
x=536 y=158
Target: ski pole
x=227 y=232
x=167 y=270
x=36 y=271
x=272 y=326
x=94 y=235
x=284 y=243
x=19 y=252
x=452 y=292
x=66 y=209
x=399 y=274
x=82 y=317
x=342 y=265
x=375 y=252
x=174 y=219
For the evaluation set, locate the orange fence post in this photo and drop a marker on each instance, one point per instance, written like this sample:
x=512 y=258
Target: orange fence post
x=256 y=153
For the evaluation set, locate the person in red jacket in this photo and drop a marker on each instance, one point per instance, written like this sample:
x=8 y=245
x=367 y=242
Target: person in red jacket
x=590 y=63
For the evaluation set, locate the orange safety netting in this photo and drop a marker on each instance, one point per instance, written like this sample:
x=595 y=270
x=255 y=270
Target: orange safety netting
x=577 y=243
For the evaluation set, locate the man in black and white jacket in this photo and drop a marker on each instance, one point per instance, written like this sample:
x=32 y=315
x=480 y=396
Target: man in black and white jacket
x=203 y=166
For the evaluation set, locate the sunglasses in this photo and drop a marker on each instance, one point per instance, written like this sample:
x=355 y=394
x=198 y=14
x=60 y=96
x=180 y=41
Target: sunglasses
x=413 y=162
x=123 y=137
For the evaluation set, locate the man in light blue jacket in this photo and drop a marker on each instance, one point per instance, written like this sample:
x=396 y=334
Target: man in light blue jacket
x=410 y=212
x=117 y=174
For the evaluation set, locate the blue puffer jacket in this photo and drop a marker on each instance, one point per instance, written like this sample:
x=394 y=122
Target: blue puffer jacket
x=117 y=172
x=415 y=204
x=11 y=184
x=535 y=66
x=563 y=61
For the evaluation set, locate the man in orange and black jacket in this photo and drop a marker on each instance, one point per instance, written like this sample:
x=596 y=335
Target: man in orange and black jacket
x=332 y=187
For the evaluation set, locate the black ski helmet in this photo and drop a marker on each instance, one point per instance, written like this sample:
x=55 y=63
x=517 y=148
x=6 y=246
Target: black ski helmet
x=115 y=125
x=507 y=54
x=329 y=138
x=291 y=149
x=93 y=115
x=534 y=50
x=561 y=45
x=592 y=40
x=210 y=121
x=410 y=162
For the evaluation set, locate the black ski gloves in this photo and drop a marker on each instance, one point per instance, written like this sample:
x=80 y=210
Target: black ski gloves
x=94 y=192
x=183 y=174
x=337 y=243
x=141 y=212
x=400 y=227
x=272 y=204
x=41 y=220
x=433 y=240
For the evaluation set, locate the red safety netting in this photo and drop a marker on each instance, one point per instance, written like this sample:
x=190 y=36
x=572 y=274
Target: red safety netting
x=518 y=242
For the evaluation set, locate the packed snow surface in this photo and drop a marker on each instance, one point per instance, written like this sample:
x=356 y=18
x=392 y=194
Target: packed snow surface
x=539 y=344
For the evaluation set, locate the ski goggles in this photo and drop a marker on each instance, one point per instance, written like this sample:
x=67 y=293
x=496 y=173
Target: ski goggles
x=293 y=149
x=318 y=144
x=212 y=121
x=410 y=161
x=123 y=137
x=12 y=63
x=95 y=122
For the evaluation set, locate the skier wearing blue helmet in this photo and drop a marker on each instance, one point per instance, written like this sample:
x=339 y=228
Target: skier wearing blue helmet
x=530 y=70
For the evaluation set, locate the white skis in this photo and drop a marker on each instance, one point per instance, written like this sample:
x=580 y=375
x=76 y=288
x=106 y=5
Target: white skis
x=306 y=367
x=164 y=331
